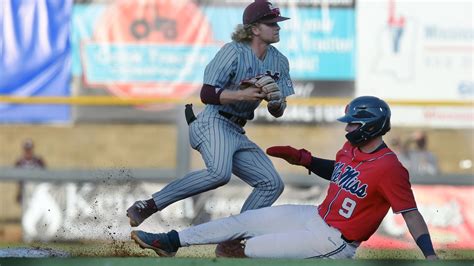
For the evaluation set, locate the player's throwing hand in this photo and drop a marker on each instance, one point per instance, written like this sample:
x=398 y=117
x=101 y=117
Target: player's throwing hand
x=251 y=94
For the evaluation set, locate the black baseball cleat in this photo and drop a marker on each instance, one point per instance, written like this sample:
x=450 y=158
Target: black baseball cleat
x=138 y=212
x=160 y=243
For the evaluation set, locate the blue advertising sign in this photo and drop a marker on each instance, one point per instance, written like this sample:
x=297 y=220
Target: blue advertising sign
x=138 y=63
x=35 y=58
x=319 y=43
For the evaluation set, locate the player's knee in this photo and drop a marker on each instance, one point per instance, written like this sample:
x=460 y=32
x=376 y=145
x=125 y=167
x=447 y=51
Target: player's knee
x=278 y=186
x=275 y=186
x=219 y=179
x=251 y=250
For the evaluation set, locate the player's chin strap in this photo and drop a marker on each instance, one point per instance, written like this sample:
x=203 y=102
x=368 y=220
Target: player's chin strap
x=189 y=113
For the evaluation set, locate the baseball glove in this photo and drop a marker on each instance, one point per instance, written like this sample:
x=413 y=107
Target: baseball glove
x=266 y=83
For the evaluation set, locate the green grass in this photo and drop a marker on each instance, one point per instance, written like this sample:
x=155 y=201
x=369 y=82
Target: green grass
x=127 y=253
x=221 y=262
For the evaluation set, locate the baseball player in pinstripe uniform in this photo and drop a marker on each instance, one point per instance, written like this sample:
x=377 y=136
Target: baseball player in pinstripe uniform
x=243 y=73
x=366 y=180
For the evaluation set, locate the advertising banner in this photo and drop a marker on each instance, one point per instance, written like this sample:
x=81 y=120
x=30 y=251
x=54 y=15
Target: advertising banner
x=434 y=116
x=71 y=211
x=410 y=50
x=449 y=216
x=160 y=49
x=35 y=58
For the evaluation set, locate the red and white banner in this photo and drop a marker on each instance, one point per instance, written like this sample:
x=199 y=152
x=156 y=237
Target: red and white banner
x=448 y=211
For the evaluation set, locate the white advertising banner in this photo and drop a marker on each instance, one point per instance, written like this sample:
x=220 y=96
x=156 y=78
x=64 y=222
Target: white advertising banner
x=433 y=116
x=453 y=117
x=415 y=50
x=96 y=211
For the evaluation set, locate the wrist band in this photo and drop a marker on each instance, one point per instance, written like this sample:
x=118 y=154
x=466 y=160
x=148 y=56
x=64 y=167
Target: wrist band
x=424 y=242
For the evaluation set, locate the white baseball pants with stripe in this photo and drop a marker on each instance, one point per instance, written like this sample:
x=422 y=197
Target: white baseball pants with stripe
x=286 y=231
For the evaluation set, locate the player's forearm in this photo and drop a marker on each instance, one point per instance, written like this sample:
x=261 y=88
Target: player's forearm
x=214 y=95
x=415 y=223
x=419 y=231
x=229 y=96
x=322 y=167
x=249 y=94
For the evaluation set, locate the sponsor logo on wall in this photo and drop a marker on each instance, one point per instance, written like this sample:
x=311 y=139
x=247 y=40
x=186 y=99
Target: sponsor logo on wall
x=96 y=211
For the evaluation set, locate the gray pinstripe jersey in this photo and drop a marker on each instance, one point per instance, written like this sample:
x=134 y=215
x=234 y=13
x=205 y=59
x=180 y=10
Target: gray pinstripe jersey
x=223 y=145
x=235 y=62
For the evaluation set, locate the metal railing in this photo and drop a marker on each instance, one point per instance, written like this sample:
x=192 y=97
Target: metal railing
x=113 y=100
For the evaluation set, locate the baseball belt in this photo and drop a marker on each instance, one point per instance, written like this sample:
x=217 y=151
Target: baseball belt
x=190 y=117
x=345 y=239
x=235 y=119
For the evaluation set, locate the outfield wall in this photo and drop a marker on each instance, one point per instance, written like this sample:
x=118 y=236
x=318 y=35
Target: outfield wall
x=85 y=211
x=93 y=207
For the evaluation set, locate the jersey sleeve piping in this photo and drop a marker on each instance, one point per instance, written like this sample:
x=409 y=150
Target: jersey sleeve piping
x=406 y=210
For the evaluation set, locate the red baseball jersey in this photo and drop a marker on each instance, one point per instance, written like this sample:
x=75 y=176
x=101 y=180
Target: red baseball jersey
x=363 y=187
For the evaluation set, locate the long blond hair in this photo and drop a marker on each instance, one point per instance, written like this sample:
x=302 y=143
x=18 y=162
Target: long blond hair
x=243 y=33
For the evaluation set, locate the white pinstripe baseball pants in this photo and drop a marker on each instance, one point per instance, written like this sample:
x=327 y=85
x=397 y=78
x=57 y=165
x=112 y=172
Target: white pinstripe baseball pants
x=225 y=149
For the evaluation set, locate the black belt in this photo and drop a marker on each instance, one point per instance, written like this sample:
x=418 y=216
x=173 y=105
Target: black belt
x=237 y=120
x=347 y=240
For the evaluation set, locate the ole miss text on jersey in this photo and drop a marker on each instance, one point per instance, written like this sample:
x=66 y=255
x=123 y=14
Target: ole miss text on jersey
x=364 y=186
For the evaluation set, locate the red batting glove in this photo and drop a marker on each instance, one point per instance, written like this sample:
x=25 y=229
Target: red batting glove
x=291 y=155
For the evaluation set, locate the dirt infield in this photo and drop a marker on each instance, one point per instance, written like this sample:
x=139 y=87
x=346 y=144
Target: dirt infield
x=129 y=249
x=32 y=252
